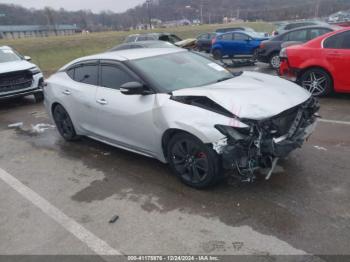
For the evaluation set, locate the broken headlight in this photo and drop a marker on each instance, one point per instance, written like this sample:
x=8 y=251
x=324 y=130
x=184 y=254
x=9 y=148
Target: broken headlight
x=234 y=132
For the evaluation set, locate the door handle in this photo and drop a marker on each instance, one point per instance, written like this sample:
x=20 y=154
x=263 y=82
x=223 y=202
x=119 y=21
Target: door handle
x=66 y=92
x=102 y=101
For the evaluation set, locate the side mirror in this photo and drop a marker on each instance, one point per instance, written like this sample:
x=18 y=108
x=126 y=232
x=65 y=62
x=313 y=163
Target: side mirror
x=27 y=58
x=133 y=88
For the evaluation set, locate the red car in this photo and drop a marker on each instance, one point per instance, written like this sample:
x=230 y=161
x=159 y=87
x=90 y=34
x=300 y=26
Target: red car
x=321 y=65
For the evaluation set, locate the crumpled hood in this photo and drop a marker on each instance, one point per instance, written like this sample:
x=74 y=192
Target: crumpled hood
x=15 y=66
x=252 y=95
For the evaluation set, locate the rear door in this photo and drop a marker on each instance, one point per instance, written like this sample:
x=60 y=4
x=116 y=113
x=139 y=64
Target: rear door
x=126 y=120
x=79 y=94
x=227 y=44
x=337 y=53
x=297 y=36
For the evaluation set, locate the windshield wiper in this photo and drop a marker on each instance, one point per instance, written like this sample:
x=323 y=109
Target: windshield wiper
x=234 y=74
x=224 y=79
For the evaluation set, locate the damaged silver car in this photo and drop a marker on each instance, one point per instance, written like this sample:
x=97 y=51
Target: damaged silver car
x=182 y=109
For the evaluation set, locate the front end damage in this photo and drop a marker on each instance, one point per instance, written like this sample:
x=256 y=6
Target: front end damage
x=264 y=142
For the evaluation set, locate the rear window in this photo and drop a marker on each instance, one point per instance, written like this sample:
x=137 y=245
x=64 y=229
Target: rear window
x=87 y=74
x=130 y=39
x=318 y=32
x=145 y=38
x=300 y=35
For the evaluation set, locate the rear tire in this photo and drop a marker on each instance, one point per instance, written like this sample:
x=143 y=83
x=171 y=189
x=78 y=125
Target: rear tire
x=64 y=123
x=275 y=61
x=317 y=81
x=194 y=163
x=217 y=54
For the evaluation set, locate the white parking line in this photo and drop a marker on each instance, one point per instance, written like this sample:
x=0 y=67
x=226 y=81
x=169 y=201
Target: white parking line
x=333 y=121
x=93 y=242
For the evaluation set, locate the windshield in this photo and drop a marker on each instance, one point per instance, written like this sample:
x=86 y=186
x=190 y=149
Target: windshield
x=8 y=55
x=176 y=71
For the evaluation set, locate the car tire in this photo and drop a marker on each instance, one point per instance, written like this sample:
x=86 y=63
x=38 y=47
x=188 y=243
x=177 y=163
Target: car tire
x=64 y=123
x=317 y=81
x=194 y=163
x=39 y=97
x=255 y=55
x=217 y=54
x=275 y=61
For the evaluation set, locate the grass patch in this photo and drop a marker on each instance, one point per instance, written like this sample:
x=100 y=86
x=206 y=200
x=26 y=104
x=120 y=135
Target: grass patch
x=51 y=53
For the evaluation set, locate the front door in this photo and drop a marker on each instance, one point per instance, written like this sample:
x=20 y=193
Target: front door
x=126 y=120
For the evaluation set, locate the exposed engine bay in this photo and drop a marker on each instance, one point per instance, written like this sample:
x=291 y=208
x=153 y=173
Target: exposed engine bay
x=264 y=142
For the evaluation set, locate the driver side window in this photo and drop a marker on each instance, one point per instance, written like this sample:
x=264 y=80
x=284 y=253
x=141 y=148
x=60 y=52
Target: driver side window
x=240 y=37
x=112 y=76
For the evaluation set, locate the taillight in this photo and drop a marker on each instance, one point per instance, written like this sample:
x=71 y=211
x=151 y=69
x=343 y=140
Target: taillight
x=283 y=53
x=262 y=45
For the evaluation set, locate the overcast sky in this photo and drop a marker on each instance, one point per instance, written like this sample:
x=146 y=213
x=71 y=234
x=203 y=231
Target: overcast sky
x=94 y=5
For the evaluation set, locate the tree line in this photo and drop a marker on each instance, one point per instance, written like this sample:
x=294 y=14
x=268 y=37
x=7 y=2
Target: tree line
x=207 y=11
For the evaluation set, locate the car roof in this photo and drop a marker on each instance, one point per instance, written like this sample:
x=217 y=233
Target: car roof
x=128 y=54
x=311 y=27
x=5 y=47
x=325 y=36
x=145 y=44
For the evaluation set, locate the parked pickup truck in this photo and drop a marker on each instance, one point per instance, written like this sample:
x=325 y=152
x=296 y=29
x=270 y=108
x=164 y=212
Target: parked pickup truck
x=19 y=77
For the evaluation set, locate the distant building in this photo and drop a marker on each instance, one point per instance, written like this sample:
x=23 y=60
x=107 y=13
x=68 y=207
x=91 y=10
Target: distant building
x=23 y=31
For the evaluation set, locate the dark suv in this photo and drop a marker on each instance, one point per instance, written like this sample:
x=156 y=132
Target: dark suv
x=269 y=50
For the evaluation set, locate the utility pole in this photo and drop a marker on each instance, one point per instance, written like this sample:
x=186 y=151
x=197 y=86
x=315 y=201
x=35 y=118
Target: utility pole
x=149 y=13
x=201 y=11
x=317 y=8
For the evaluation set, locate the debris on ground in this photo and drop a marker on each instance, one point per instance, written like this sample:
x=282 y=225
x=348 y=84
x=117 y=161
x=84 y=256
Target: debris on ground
x=41 y=128
x=15 y=125
x=321 y=148
x=114 y=219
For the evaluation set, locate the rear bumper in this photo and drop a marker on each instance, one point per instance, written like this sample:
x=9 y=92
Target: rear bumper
x=287 y=72
x=36 y=87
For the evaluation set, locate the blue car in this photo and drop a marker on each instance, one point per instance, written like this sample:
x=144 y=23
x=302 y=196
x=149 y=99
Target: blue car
x=236 y=43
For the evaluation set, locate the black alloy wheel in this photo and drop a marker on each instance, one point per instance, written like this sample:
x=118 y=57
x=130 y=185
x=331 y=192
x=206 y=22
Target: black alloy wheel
x=64 y=123
x=195 y=163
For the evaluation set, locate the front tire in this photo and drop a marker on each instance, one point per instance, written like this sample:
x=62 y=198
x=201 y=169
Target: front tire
x=196 y=164
x=317 y=81
x=64 y=123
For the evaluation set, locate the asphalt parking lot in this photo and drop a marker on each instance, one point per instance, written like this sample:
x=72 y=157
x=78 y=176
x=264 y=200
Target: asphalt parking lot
x=57 y=198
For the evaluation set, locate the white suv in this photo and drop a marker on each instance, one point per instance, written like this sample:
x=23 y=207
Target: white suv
x=19 y=77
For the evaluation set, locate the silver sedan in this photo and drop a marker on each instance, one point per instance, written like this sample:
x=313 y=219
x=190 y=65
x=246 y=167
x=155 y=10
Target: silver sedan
x=182 y=109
